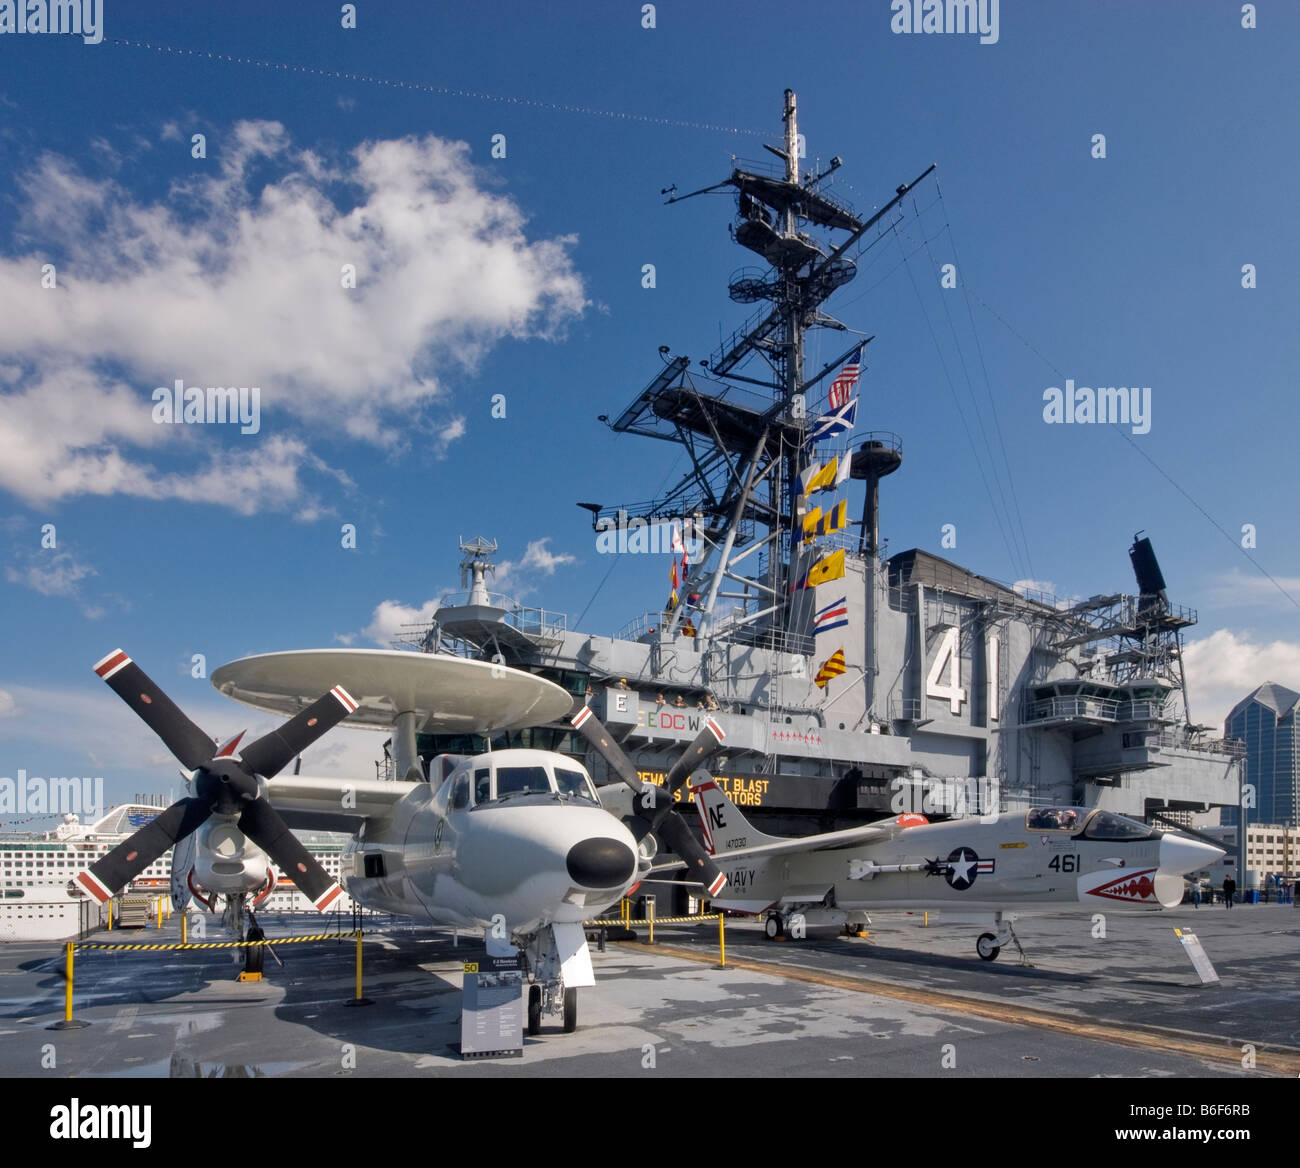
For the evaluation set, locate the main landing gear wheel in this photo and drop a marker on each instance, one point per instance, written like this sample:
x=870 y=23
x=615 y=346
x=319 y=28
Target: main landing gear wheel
x=254 y=954
x=773 y=927
x=986 y=948
x=534 y=1010
x=570 y=1010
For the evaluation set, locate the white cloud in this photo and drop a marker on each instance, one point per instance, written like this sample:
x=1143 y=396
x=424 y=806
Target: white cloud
x=109 y=737
x=535 y=558
x=392 y=618
x=1244 y=589
x=52 y=573
x=1224 y=667
x=1048 y=589
x=112 y=741
x=8 y=707
x=344 y=753
x=231 y=280
x=454 y=429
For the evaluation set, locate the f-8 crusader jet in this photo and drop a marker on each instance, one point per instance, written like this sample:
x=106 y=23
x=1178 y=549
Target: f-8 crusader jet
x=983 y=870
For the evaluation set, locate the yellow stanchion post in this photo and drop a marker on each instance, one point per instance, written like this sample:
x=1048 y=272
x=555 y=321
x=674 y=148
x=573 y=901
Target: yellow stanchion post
x=722 y=944
x=185 y=929
x=926 y=922
x=110 y=914
x=68 y=1022
x=650 y=915
x=158 y=917
x=359 y=1000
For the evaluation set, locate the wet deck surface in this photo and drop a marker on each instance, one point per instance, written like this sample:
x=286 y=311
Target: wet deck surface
x=667 y=1011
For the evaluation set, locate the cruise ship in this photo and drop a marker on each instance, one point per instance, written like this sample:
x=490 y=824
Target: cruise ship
x=39 y=902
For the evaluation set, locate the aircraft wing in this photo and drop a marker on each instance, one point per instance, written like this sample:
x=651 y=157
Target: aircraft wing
x=334 y=804
x=871 y=833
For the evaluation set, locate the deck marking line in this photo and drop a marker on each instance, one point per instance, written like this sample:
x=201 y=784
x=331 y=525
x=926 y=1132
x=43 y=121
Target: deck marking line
x=1269 y=1060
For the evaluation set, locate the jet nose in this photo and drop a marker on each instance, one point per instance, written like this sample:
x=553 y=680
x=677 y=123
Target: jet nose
x=1180 y=854
x=600 y=863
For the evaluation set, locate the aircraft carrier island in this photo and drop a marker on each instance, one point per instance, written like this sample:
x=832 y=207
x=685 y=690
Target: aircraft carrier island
x=850 y=683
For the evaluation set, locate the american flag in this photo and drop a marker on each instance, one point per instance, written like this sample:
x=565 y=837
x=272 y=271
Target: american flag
x=845 y=380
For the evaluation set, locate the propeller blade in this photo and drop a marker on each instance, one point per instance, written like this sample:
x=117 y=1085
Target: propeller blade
x=589 y=726
x=263 y=825
x=133 y=855
x=678 y=836
x=164 y=717
x=707 y=743
x=271 y=753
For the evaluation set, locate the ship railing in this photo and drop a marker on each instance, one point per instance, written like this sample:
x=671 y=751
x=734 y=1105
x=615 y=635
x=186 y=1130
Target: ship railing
x=1103 y=709
x=538 y=623
x=640 y=626
x=904 y=709
x=728 y=346
x=1229 y=746
x=846 y=540
x=461 y=599
x=1141 y=711
x=531 y=622
x=731 y=628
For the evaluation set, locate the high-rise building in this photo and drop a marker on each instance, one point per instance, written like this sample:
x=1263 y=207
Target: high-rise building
x=1265 y=720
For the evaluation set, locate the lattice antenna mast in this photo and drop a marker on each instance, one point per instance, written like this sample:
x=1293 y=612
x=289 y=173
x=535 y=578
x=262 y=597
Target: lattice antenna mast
x=746 y=447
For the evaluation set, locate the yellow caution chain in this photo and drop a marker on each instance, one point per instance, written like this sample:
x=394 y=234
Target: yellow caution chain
x=225 y=944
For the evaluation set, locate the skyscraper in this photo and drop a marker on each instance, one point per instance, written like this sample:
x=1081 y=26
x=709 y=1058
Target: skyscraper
x=1265 y=720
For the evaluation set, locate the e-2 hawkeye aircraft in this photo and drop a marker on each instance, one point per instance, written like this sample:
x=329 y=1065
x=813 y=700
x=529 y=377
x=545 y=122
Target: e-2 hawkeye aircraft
x=982 y=869
x=516 y=841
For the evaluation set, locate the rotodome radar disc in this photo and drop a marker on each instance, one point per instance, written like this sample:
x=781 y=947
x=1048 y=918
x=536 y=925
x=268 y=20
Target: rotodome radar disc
x=448 y=694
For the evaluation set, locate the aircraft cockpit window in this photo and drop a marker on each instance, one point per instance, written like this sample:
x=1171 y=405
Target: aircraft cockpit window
x=1053 y=819
x=482 y=786
x=1106 y=825
x=459 y=793
x=522 y=780
x=575 y=784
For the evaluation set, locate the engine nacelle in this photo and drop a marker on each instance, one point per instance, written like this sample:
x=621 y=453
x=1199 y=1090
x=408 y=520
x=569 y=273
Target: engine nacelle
x=227 y=861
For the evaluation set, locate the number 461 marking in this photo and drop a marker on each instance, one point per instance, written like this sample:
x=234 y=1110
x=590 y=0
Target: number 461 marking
x=1066 y=862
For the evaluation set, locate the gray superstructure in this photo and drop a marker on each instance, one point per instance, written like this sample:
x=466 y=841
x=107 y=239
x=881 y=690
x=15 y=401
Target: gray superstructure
x=949 y=678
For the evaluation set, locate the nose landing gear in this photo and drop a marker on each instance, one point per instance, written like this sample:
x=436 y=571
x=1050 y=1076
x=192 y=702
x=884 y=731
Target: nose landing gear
x=561 y=1000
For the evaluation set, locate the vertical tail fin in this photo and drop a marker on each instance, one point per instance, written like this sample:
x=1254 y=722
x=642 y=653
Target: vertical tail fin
x=725 y=828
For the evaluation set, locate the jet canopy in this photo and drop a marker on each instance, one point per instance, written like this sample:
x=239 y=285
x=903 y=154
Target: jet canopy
x=1089 y=823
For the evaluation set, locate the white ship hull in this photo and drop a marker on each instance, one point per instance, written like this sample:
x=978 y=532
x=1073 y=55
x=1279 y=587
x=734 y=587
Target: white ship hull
x=36 y=870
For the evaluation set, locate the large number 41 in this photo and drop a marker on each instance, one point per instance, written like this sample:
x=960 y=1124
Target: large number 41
x=949 y=657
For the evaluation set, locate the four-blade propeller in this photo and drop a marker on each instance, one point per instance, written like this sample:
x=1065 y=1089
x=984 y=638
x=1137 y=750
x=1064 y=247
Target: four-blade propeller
x=226 y=782
x=654 y=809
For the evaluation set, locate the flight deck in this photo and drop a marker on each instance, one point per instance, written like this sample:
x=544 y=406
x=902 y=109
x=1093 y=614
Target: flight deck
x=909 y=999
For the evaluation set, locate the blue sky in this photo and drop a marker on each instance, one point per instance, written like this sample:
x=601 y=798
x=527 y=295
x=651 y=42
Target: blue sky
x=522 y=276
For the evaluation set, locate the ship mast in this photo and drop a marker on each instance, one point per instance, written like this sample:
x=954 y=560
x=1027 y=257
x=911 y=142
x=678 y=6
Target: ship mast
x=743 y=414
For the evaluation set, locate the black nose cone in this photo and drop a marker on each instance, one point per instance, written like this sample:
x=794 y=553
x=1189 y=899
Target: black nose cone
x=600 y=863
